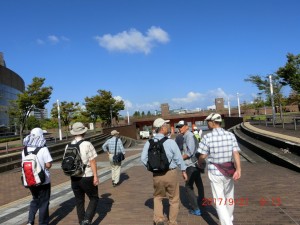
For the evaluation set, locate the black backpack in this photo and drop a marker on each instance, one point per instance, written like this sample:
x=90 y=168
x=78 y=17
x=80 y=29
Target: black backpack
x=72 y=164
x=157 y=159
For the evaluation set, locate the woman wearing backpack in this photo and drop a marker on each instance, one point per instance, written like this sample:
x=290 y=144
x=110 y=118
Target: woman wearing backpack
x=87 y=182
x=40 y=193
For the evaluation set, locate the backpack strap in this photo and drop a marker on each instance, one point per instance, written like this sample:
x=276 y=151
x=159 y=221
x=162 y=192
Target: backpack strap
x=116 y=145
x=33 y=152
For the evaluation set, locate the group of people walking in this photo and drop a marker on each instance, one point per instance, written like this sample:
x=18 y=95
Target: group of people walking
x=218 y=148
x=221 y=151
x=82 y=184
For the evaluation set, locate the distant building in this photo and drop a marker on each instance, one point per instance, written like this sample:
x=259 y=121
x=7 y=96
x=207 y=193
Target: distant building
x=11 y=84
x=39 y=114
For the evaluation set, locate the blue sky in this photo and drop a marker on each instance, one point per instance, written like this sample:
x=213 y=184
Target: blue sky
x=148 y=52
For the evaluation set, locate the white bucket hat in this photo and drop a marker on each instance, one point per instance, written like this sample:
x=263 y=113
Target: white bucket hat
x=78 y=128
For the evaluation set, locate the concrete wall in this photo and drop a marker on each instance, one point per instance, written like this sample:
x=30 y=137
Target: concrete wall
x=127 y=131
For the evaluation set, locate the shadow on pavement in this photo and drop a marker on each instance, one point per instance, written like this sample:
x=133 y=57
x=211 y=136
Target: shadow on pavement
x=62 y=211
x=104 y=206
x=205 y=210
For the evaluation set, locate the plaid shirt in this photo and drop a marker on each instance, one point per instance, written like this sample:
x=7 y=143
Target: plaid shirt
x=219 y=146
x=110 y=144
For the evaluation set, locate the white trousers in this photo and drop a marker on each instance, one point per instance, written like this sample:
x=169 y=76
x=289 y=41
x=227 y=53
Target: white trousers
x=223 y=192
x=115 y=169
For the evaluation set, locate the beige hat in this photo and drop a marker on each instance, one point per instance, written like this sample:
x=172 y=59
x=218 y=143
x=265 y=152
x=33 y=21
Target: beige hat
x=159 y=122
x=78 y=128
x=114 y=132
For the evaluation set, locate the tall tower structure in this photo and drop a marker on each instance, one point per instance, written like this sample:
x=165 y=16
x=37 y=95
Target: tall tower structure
x=219 y=102
x=165 y=111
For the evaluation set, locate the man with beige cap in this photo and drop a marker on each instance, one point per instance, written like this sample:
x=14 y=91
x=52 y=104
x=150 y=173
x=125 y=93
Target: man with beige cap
x=113 y=146
x=166 y=184
x=86 y=183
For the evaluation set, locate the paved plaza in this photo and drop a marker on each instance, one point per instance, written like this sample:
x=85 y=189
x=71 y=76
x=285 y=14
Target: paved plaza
x=266 y=194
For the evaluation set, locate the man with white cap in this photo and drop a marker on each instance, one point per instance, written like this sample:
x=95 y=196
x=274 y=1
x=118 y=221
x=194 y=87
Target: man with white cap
x=190 y=146
x=165 y=183
x=220 y=147
x=110 y=146
x=86 y=183
x=41 y=193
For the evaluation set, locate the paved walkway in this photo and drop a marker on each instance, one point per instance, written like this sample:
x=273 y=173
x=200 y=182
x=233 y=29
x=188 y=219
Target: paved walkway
x=266 y=194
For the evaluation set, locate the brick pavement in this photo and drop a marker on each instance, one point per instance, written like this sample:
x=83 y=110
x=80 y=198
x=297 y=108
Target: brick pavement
x=266 y=194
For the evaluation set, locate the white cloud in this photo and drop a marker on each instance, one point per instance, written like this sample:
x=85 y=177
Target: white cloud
x=52 y=39
x=133 y=41
x=40 y=42
x=191 y=97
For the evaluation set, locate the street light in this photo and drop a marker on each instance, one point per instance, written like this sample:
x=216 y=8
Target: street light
x=238 y=100
x=272 y=99
x=229 y=113
x=59 y=122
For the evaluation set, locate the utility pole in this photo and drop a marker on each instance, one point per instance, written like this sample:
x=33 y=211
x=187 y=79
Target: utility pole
x=59 y=122
x=238 y=100
x=272 y=99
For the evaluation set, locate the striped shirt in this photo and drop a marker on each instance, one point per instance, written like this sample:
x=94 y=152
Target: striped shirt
x=219 y=145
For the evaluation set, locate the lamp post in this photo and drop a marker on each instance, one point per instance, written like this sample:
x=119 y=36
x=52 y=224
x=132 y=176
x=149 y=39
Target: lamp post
x=272 y=99
x=238 y=100
x=229 y=113
x=59 y=122
x=111 y=116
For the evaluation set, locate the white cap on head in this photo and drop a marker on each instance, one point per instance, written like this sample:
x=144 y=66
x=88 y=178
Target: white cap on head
x=181 y=123
x=214 y=117
x=37 y=132
x=159 y=122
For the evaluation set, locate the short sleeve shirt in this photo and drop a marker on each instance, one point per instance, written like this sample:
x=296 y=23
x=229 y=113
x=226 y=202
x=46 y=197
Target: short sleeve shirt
x=219 y=145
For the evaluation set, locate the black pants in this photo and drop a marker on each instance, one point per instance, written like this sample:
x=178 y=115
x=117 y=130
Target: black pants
x=194 y=176
x=40 y=201
x=80 y=187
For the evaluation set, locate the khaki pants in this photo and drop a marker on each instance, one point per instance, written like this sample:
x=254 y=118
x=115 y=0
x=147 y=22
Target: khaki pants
x=166 y=186
x=115 y=169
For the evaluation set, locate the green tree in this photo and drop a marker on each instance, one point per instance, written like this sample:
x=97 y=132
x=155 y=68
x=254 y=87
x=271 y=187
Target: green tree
x=68 y=111
x=103 y=106
x=33 y=122
x=35 y=96
x=263 y=84
x=290 y=73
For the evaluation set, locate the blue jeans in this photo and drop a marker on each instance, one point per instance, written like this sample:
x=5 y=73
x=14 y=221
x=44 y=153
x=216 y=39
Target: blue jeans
x=80 y=187
x=40 y=201
x=194 y=176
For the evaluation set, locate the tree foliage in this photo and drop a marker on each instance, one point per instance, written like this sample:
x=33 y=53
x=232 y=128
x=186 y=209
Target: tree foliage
x=290 y=73
x=103 y=106
x=35 y=96
x=263 y=84
x=68 y=111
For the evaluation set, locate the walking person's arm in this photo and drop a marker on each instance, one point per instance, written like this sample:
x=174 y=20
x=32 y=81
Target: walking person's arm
x=237 y=174
x=94 y=169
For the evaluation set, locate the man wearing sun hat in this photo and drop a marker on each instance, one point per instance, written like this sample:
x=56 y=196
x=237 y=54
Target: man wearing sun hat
x=110 y=146
x=86 y=183
x=220 y=147
x=166 y=184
